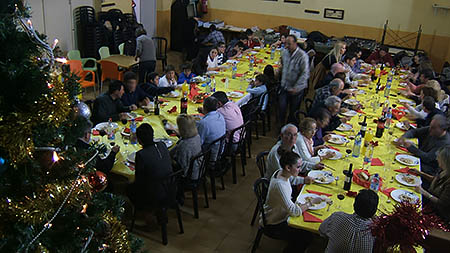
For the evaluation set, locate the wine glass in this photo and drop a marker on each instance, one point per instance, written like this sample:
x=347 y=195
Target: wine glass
x=124 y=121
x=348 y=151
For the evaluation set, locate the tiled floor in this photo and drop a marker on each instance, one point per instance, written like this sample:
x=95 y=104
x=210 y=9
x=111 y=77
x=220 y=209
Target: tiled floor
x=225 y=225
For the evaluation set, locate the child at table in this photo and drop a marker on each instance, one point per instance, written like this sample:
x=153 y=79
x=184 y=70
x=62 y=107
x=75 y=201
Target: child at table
x=235 y=51
x=187 y=74
x=256 y=89
x=169 y=79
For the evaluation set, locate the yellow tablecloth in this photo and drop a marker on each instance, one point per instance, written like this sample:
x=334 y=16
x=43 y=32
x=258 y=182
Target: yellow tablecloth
x=239 y=83
x=385 y=151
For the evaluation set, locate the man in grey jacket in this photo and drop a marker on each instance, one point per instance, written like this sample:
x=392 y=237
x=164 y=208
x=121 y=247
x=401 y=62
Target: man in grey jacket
x=294 y=79
x=145 y=53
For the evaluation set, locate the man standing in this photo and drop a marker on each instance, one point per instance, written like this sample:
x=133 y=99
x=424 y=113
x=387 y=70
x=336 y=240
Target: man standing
x=145 y=53
x=294 y=79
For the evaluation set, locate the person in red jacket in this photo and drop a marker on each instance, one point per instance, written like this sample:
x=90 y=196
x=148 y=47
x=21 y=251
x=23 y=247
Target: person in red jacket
x=381 y=56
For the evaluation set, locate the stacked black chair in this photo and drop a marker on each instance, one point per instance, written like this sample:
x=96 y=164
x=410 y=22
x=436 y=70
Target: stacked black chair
x=170 y=187
x=89 y=36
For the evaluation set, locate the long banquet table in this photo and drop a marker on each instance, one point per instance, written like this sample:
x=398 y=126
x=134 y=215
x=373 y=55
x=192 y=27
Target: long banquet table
x=385 y=151
x=240 y=83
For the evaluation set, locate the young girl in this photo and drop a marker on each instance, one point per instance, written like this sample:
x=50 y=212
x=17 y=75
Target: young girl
x=213 y=64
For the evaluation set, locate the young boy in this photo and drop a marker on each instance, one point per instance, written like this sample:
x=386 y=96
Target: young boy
x=221 y=56
x=255 y=89
x=169 y=79
x=187 y=74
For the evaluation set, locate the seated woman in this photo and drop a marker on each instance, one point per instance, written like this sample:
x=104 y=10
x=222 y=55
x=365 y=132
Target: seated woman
x=305 y=142
x=279 y=206
x=212 y=61
x=280 y=43
x=170 y=78
x=322 y=117
x=153 y=165
x=151 y=87
x=438 y=194
x=188 y=146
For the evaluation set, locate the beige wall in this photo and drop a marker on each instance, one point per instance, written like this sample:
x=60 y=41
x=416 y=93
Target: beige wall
x=123 y=5
x=163 y=18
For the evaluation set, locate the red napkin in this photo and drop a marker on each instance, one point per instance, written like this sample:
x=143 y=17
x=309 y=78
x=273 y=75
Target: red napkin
x=307 y=217
x=388 y=191
x=239 y=91
x=402 y=148
x=413 y=124
x=173 y=109
x=194 y=92
x=402 y=88
x=95 y=132
x=239 y=75
x=127 y=130
x=331 y=147
x=259 y=60
x=139 y=118
x=363 y=183
x=405 y=170
x=382 y=88
x=319 y=193
x=383 y=72
x=276 y=66
x=162 y=100
x=360 y=111
x=351 y=194
x=376 y=162
x=401 y=108
x=398 y=114
x=396 y=154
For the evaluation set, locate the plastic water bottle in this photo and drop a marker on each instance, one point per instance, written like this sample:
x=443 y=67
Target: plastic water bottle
x=252 y=62
x=357 y=145
x=272 y=53
x=387 y=89
x=368 y=157
x=133 y=137
x=214 y=85
x=375 y=182
x=233 y=71
x=226 y=82
x=388 y=118
x=111 y=135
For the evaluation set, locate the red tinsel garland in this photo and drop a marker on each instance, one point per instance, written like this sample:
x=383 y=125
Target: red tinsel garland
x=407 y=227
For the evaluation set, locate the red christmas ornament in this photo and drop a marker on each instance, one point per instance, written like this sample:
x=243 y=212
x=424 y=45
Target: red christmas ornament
x=98 y=181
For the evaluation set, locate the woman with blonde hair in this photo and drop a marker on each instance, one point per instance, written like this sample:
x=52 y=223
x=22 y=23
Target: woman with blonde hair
x=334 y=56
x=442 y=98
x=188 y=146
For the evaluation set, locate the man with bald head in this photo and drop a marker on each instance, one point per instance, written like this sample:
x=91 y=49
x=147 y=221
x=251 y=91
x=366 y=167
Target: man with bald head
x=335 y=68
x=334 y=88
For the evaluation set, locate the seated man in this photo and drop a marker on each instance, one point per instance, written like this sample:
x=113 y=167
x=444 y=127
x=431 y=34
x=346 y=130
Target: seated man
x=431 y=139
x=212 y=126
x=381 y=56
x=351 y=232
x=133 y=95
x=414 y=88
x=230 y=112
x=335 y=87
x=214 y=37
x=333 y=105
x=235 y=51
x=335 y=68
x=151 y=87
x=109 y=105
x=288 y=142
x=103 y=164
x=351 y=77
x=427 y=109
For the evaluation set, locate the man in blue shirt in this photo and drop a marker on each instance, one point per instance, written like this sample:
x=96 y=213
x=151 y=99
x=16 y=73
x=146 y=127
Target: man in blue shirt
x=214 y=36
x=134 y=95
x=212 y=126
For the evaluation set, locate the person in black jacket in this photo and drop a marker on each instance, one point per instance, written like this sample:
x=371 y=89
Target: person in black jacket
x=153 y=165
x=103 y=164
x=109 y=105
x=151 y=86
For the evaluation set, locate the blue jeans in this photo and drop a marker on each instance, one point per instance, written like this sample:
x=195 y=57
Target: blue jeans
x=286 y=100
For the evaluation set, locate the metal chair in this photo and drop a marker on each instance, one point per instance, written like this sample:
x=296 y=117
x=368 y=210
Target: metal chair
x=161 y=50
x=261 y=163
x=169 y=185
x=193 y=185
x=261 y=188
x=237 y=148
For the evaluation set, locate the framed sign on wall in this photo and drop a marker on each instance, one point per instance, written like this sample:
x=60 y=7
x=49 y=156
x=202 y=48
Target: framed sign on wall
x=333 y=13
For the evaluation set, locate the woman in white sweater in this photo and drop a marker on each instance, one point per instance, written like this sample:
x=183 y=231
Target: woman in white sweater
x=279 y=206
x=305 y=142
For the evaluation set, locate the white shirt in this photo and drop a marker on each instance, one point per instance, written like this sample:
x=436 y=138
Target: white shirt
x=279 y=206
x=212 y=63
x=163 y=82
x=304 y=152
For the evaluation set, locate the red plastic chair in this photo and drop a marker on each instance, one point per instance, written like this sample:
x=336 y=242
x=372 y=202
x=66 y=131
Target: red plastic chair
x=110 y=70
x=76 y=67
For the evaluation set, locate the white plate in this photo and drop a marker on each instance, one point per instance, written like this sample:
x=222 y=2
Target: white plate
x=401 y=178
x=125 y=134
x=234 y=94
x=172 y=94
x=302 y=200
x=337 y=139
x=403 y=76
x=398 y=194
x=351 y=101
x=104 y=126
x=233 y=61
x=412 y=160
x=132 y=157
x=253 y=52
x=199 y=79
x=403 y=84
x=324 y=151
x=210 y=73
x=350 y=113
x=166 y=141
x=410 y=102
x=321 y=177
x=401 y=126
x=344 y=127
x=363 y=84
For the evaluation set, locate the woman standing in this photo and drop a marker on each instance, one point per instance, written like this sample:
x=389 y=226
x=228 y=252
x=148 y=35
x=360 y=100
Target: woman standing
x=334 y=56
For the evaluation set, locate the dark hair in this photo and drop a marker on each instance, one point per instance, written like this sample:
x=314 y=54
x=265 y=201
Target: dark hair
x=129 y=75
x=239 y=44
x=170 y=68
x=210 y=104
x=269 y=72
x=288 y=158
x=354 y=48
x=248 y=31
x=262 y=78
x=220 y=96
x=429 y=91
x=366 y=203
x=186 y=66
x=427 y=73
x=114 y=86
x=320 y=114
x=212 y=27
x=429 y=103
x=293 y=37
x=243 y=36
x=349 y=56
x=384 y=48
x=340 y=75
x=151 y=77
x=220 y=44
x=310 y=45
x=144 y=133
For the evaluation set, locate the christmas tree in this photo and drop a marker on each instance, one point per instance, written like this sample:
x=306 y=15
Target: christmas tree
x=51 y=196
